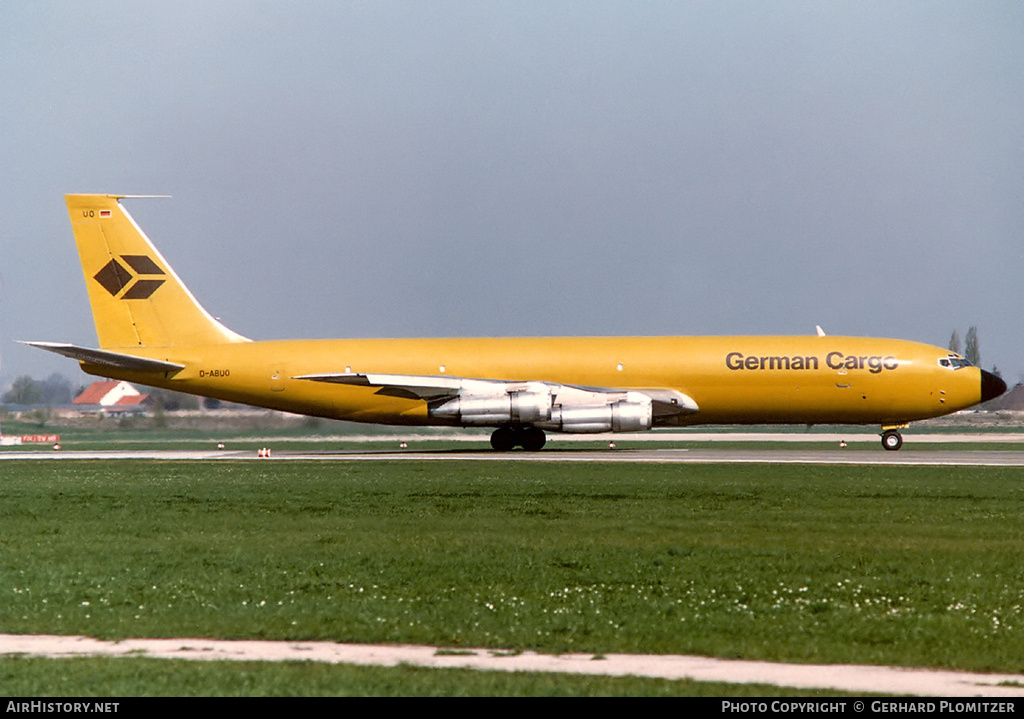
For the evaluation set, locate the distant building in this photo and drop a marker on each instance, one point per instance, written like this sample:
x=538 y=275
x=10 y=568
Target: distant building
x=112 y=398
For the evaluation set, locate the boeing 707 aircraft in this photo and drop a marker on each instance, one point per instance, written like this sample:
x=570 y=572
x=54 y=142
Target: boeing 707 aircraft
x=152 y=331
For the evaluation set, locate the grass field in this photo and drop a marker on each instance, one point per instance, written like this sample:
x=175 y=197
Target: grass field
x=31 y=677
x=908 y=566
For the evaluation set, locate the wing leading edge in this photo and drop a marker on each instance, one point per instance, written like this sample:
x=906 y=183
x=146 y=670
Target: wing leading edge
x=544 y=405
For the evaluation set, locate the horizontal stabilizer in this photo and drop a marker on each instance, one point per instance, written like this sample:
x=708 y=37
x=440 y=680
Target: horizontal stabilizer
x=107 y=358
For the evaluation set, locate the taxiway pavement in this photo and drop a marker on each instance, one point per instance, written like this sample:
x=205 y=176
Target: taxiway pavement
x=928 y=458
x=848 y=678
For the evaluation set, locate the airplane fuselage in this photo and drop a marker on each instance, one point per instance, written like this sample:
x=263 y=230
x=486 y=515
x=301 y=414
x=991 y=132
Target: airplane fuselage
x=733 y=380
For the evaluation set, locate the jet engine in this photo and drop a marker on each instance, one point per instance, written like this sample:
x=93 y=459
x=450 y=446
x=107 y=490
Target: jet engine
x=521 y=406
x=628 y=415
x=554 y=407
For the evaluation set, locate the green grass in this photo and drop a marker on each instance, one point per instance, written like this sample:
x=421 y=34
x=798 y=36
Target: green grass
x=910 y=566
x=120 y=677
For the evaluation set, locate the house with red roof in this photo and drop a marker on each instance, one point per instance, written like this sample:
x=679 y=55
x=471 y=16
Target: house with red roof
x=112 y=398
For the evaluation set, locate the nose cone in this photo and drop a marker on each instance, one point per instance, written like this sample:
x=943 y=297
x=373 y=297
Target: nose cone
x=991 y=386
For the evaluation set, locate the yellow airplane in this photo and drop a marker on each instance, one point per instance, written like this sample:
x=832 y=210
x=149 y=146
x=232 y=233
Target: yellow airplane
x=153 y=331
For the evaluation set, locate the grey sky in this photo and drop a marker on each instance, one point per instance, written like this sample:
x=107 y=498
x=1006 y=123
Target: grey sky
x=355 y=169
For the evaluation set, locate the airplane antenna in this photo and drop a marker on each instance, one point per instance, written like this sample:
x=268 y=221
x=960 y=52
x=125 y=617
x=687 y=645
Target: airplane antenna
x=821 y=332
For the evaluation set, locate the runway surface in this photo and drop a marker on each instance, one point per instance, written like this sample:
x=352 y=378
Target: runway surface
x=933 y=458
x=858 y=448
x=846 y=678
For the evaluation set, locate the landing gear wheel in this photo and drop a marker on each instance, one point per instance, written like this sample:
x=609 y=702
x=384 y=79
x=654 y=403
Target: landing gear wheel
x=507 y=438
x=503 y=439
x=532 y=439
x=892 y=440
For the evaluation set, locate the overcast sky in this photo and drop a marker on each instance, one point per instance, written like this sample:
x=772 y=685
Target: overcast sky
x=389 y=169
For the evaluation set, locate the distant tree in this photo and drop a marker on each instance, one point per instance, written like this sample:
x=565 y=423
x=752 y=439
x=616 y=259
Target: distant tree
x=25 y=391
x=954 y=343
x=971 y=352
x=55 y=390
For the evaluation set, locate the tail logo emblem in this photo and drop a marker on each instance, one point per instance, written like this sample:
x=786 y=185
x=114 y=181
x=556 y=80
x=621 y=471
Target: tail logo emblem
x=138 y=280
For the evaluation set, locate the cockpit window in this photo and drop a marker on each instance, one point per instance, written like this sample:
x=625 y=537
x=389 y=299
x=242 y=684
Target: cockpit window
x=954 y=362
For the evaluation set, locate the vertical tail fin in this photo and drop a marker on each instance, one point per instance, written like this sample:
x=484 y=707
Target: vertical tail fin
x=137 y=300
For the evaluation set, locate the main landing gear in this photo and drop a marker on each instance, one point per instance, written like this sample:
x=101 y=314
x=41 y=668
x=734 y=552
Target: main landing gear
x=508 y=437
x=892 y=440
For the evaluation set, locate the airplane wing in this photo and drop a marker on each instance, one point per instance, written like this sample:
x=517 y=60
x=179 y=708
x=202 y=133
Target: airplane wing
x=548 y=405
x=106 y=358
x=395 y=385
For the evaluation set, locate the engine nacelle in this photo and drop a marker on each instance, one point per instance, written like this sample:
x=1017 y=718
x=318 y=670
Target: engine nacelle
x=528 y=406
x=629 y=415
x=558 y=408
